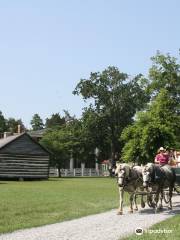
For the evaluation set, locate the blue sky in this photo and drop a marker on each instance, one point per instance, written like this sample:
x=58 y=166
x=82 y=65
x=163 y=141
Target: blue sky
x=46 y=47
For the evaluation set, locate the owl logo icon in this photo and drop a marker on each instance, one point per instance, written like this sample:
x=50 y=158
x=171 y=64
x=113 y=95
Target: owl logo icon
x=138 y=231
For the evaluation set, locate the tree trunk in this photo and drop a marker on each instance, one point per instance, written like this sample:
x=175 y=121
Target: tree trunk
x=59 y=172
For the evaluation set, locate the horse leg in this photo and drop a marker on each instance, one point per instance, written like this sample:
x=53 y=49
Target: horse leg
x=131 y=202
x=161 y=199
x=121 y=194
x=170 y=197
x=135 y=203
x=142 y=202
x=156 y=200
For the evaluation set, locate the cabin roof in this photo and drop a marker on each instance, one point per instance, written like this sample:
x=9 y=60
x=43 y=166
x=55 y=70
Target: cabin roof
x=5 y=141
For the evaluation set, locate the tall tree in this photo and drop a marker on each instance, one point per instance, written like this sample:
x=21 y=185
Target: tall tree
x=55 y=121
x=37 y=122
x=116 y=98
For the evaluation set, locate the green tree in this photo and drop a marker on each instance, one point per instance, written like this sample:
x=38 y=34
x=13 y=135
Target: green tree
x=165 y=73
x=62 y=143
x=3 y=126
x=154 y=128
x=55 y=121
x=159 y=124
x=37 y=122
x=115 y=98
x=94 y=133
x=12 y=125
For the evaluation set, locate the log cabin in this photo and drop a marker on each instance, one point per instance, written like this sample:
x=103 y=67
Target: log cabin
x=21 y=157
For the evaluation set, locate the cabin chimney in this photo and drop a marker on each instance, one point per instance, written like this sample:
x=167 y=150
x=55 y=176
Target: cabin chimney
x=7 y=134
x=19 y=128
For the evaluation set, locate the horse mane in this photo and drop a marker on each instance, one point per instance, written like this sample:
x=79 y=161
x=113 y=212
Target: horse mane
x=124 y=166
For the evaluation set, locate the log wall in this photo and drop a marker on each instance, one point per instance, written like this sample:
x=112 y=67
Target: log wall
x=24 y=158
x=24 y=166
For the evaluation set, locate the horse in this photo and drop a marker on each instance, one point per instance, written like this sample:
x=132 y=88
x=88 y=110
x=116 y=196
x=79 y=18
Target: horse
x=158 y=178
x=129 y=179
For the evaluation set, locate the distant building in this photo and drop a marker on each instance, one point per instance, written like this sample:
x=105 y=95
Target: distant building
x=37 y=135
x=21 y=157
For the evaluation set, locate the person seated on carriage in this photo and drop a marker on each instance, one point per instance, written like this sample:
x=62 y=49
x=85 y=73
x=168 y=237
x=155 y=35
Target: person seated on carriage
x=172 y=158
x=178 y=158
x=162 y=158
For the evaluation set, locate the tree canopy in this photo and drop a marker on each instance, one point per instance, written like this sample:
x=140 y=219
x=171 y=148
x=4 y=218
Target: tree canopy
x=115 y=99
x=55 y=121
x=158 y=125
x=10 y=124
x=37 y=122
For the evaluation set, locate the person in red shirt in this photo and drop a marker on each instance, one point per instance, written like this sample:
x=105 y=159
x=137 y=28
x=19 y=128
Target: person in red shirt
x=162 y=157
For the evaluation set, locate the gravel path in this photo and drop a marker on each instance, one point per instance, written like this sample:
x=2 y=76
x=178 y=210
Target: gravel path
x=104 y=226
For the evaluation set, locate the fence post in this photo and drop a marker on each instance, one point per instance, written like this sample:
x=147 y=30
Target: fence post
x=82 y=169
x=74 y=172
x=90 y=173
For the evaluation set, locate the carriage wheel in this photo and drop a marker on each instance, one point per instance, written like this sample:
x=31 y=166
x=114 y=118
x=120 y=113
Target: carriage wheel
x=166 y=196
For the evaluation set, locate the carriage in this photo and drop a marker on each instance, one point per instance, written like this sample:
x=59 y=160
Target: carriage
x=151 y=194
x=149 y=182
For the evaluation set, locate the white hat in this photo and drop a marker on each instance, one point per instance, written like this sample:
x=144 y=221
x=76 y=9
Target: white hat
x=161 y=149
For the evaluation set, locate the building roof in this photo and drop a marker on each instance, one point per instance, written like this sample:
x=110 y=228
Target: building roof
x=5 y=141
x=37 y=133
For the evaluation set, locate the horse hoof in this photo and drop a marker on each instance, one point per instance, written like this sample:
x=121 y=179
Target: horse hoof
x=143 y=205
x=136 y=209
x=119 y=213
x=170 y=208
x=155 y=210
x=130 y=211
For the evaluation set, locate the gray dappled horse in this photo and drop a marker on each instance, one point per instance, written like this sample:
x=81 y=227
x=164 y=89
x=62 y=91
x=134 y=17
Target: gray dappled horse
x=158 y=178
x=129 y=179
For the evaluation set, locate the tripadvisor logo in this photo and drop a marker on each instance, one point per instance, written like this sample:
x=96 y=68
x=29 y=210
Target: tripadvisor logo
x=138 y=231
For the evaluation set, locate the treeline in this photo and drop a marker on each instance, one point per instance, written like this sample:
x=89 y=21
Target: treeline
x=10 y=124
x=128 y=118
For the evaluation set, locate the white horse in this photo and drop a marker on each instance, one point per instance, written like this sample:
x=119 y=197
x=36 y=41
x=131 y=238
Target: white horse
x=129 y=179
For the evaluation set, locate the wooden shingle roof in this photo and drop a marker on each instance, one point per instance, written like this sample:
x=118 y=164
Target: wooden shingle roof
x=5 y=141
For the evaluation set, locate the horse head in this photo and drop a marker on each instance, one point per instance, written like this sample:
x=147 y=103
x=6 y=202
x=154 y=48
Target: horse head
x=147 y=174
x=122 y=172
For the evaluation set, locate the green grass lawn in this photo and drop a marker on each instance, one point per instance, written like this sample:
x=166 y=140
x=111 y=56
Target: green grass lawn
x=34 y=203
x=169 y=224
